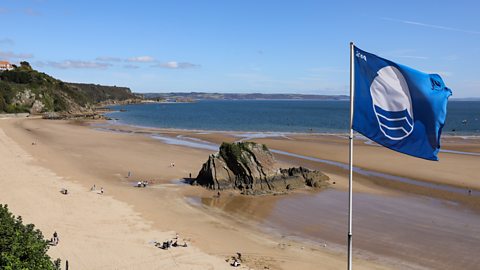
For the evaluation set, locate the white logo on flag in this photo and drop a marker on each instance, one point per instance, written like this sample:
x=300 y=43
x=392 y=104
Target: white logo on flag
x=392 y=103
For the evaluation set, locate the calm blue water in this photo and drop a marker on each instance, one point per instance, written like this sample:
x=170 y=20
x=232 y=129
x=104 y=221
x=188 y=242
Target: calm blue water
x=272 y=115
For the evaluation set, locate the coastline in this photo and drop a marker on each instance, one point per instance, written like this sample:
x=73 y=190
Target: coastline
x=454 y=146
x=117 y=122
x=81 y=152
x=83 y=156
x=267 y=117
x=372 y=182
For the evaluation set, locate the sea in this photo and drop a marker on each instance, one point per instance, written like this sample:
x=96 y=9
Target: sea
x=302 y=116
x=407 y=230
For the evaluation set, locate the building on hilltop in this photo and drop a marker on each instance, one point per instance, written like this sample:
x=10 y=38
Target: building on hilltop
x=5 y=65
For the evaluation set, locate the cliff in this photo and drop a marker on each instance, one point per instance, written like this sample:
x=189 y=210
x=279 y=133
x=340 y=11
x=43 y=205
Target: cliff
x=24 y=89
x=250 y=168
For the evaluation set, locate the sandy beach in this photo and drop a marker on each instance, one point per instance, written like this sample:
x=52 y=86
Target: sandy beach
x=116 y=230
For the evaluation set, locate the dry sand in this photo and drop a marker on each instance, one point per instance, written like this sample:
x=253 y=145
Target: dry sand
x=96 y=231
x=115 y=230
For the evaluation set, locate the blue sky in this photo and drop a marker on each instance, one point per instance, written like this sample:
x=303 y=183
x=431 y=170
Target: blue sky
x=240 y=46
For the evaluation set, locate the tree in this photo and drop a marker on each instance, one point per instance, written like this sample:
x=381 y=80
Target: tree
x=16 y=76
x=22 y=246
x=25 y=65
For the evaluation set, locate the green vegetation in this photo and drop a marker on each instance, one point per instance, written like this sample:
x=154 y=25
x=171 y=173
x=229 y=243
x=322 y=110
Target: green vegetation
x=53 y=94
x=228 y=150
x=21 y=246
x=95 y=93
x=233 y=151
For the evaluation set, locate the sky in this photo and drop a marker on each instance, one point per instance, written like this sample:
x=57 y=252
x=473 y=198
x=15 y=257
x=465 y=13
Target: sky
x=240 y=46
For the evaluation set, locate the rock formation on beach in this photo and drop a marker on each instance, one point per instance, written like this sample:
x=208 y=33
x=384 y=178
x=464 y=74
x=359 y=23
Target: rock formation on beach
x=250 y=168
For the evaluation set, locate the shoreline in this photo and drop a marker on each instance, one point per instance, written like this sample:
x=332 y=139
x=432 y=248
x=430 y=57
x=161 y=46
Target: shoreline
x=192 y=142
x=163 y=205
x=231 y=136
x=85 y=156
x=424 y=189
x=445 y=135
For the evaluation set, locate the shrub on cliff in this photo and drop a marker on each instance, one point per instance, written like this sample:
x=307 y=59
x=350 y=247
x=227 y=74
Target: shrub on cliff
x=16 y=76
x=53 y=93
x=22 y=246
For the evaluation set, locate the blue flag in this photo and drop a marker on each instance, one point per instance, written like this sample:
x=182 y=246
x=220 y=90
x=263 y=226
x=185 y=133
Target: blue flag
x=399 y=107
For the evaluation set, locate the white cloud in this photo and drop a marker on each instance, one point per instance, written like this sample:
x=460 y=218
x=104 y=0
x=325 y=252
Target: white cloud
x=447 y=28
x=177 y=65
x=141 y=59
x=67 y=64
x=131 y=66
x=109 y=59
x=10 y=55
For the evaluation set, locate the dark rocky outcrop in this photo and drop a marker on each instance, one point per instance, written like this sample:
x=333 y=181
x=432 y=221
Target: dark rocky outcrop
x=250 y=168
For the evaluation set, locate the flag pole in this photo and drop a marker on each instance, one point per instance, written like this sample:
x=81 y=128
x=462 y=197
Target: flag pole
x=350 y=177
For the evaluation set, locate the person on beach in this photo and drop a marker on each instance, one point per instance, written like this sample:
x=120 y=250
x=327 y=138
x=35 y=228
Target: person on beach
x=129 y=174
x=93 y=188
x=239 y=256
x=55 y=238
x=101 y=190
x=235 y=263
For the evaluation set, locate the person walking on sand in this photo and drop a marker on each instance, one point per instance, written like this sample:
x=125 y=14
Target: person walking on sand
x=101 y=190
x=55 y=238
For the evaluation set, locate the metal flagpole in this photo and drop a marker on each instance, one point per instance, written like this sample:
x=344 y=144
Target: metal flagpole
x=350 y=178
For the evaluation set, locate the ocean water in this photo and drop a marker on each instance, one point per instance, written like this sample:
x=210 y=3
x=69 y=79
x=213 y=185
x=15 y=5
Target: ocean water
x=272 y=115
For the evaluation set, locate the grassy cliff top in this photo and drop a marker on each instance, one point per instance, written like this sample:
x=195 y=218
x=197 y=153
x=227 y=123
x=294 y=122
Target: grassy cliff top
x=23 y=87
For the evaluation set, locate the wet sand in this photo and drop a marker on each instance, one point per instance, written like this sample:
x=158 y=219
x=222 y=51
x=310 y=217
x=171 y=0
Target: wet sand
x=407 y=230
x=429 y=224
x=77 y=156
x=265 y=228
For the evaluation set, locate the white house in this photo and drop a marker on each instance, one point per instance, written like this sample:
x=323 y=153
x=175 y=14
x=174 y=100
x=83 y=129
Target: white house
x=5 y=65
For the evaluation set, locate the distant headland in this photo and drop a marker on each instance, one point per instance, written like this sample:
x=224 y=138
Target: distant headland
x=237 y=96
